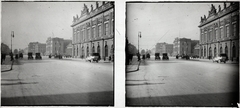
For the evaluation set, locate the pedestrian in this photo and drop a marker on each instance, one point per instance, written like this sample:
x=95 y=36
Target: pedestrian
x=138 y=55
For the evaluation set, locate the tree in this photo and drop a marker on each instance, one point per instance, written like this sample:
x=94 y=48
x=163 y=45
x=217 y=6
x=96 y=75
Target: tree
x=15 y=51
x=5 y=49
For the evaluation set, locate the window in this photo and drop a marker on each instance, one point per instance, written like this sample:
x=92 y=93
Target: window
x=106 y=29
x=99 y=31
x=210 y=51
x=227 y=31
x=94 y=32
x=220 y=50
x=216 y=34
x=205 y=37
x=234 y=29
x=106 y=51
x=215 y=52
x=210 y=35
x=98 y=49
x=222 y=33
x=226 y=50
x=89 y=34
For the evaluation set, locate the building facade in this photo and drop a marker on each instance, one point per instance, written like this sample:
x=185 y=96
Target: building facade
x=182 y=46
x=196 y=50
x=168 y=48
x=32 y=47
x=93 y=31
x=159 y=47
x=219 y=32
x=55 y=46
x=68 y=51
x=40 y=48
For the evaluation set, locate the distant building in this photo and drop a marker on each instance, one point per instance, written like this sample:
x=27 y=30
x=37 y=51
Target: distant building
x=193 y=44
x=55 y=46
x=32 y=47
x=93 y=31
x=68 y=51
x=182 y=46
x=25 y=50
x=66 y=43
x=168 y=48
x=219 y=32
x=196 y=50
x=159 y=47
x=40 y=48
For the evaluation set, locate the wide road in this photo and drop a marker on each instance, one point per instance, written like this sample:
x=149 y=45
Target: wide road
x=178 y=82
x=57 y=82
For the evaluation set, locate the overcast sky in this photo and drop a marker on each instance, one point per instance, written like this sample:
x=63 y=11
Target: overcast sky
x=163 y=22
x=36 y=21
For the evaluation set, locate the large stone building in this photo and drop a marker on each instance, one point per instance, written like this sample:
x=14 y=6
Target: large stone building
x=164 y=48
x=219 y=31
x=182 y=46
x=93 y=31
x=32 y=47
x=40 y=48
x=55 y=46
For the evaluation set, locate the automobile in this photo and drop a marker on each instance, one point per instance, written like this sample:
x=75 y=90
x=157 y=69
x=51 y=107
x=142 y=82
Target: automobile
x=148 y=56
x=220 y=58
x=93 y=57
x=165 y=56
x=38 y=56
x=21 y=55
x=30 y=56
x=157 y=57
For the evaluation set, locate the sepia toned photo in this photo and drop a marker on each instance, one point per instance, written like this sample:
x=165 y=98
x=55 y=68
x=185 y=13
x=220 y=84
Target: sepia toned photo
x=182 y=54
x=57 y=53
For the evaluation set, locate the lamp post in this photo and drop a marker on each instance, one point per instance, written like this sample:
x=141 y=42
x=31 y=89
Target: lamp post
x=139 y=35
x=12 y=35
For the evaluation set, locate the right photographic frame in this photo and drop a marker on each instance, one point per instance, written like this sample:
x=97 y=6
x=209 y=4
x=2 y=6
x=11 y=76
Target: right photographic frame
x=182 y=54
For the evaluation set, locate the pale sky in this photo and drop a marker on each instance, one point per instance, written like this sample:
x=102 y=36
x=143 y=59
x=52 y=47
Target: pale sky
x=36 y=21
x=163 y=22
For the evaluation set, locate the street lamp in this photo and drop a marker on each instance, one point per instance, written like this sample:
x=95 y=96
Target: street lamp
x=139 y=35
x=12 y=35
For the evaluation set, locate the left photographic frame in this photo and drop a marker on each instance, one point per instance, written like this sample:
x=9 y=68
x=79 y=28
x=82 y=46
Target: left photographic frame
x=57 y=53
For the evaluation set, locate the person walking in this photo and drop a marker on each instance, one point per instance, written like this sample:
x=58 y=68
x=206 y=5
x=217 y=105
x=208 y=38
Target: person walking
x=11 y=55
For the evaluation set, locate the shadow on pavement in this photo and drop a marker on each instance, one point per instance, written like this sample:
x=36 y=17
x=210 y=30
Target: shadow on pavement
x=11 y=79
x=6 y=70
x=145 y=83
x=191 y=100
x=18 y=83
x=105 y=98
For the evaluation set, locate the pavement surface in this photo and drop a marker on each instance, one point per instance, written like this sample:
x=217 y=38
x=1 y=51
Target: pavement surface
x=57 y=82
x=179 y=82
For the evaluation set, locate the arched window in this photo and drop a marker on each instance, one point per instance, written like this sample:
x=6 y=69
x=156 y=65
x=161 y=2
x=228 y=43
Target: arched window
x=87 y=51
x=210 y=51
x=106 y=51
x=204 y=52
x=234 y=51
x=98 y=49
x=226 y=50
x=93 y=49
x=220 y=50
x=82 y=51
x=215 y=52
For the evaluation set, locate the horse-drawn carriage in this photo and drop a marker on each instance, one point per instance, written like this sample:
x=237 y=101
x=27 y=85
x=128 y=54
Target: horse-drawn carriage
x=157 y=56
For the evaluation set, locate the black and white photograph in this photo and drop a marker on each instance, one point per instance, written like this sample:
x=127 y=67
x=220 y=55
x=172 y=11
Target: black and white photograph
x=57 y=53
x=182 y=54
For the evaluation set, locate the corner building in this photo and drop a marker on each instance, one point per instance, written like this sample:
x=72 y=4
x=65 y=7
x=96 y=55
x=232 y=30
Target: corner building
x=93 y=31
x=219 y=32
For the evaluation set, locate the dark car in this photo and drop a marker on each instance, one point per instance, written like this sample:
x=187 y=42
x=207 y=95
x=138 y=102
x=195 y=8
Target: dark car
x=38 y=56
x=30 y=56
x=21 y=55
x=165 y=56
x=93 y=57
x=157 y=57
x=220 y=58
x=148 y=56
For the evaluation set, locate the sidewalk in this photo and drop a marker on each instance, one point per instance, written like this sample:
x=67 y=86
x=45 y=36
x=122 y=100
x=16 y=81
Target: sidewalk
x=133 y=66
x=7 y=65
x=207 y=60
x=83 y=60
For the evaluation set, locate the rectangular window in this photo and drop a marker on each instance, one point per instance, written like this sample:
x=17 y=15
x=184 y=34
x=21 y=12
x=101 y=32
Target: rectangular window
x=216 y=34
x=222 y=33
x=89 y=34
x=106 y=29
x=227 y=31
x=99 y=31
x=234 y=29
x=94 y=32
